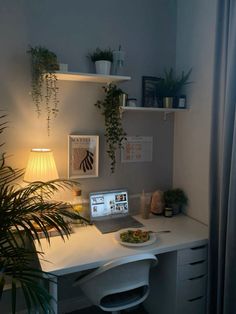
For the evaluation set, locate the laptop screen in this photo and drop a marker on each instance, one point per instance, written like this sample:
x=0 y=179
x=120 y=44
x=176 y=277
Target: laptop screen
x=108 y=203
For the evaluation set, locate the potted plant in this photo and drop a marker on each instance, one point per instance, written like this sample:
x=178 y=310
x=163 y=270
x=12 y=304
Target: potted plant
x=170 y=86
x=176 y=199
x=23 y=213
x=110 y=108
x=102 y=60
x=44 y=81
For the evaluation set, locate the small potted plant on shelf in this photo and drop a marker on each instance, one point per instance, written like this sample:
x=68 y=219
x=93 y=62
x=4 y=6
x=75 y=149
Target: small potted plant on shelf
x=176 y=199
x=44 y=81
x=170 y=86
x=110 y=108
x=102 y=60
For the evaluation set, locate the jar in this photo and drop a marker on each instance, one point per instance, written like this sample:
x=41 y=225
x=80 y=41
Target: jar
x=168 y=212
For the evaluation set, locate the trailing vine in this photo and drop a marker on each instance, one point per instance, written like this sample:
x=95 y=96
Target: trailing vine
x=44 y=81
x=110 y=108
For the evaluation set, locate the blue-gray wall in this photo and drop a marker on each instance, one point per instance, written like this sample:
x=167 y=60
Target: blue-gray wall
x=147 y=32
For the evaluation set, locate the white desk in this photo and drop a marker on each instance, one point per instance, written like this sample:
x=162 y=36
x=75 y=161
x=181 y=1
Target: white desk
x=87 y=248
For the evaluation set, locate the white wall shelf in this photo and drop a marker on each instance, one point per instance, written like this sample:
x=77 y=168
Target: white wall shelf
x=165 y=111
x=153 y=109
x=91 y=78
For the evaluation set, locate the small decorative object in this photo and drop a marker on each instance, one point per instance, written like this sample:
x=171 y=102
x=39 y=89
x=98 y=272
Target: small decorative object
x=176 y=199
x=43 y=66
x=182 y=102
x=170 y=86
x=63 y=67
x=83 y=156
x=144 y=206
x=102 y=60
x=132 y=102
x=157 y=203
x=150 y=91
x=118 y=61
x=168 y=212
x=110 y=108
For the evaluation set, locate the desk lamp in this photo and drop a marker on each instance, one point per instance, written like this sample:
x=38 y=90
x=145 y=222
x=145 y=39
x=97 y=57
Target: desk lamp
x=41 y=166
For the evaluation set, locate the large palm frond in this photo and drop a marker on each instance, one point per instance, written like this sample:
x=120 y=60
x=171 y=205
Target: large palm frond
x=24 y=211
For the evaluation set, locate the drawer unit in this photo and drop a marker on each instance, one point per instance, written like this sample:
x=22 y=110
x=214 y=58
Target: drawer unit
x=192 y=270
x=191 y=280
x=192 y=306
x=192 y=288
x=192 y=255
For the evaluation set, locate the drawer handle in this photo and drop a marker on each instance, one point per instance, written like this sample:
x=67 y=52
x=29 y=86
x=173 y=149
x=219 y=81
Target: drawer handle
x=195 y=263
x=198 y=277
x=198 y=247
x=195 y=299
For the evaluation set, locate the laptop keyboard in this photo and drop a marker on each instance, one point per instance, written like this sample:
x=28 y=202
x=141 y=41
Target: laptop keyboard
x=115 y=224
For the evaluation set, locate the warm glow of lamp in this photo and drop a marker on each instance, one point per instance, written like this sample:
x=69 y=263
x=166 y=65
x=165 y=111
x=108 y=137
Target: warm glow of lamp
x=41 y=166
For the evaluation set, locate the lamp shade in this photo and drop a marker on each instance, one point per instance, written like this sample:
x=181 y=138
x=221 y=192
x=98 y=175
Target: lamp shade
x=41 y=166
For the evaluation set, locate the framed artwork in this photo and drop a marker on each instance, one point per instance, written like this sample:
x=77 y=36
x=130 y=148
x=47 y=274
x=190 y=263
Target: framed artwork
x=83 y=156
x=150 y=91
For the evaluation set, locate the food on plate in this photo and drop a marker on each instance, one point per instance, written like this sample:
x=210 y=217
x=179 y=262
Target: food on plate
x=135 y=236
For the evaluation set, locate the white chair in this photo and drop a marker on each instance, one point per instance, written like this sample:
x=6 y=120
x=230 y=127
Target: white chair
x=119 y=284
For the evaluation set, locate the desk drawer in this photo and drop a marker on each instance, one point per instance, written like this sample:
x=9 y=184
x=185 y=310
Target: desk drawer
x=192 y=288
x=191 y=270
x=192 y=255
x=193 y=306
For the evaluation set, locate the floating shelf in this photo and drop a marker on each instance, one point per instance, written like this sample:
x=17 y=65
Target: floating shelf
x=166 y=111
x=91 y=78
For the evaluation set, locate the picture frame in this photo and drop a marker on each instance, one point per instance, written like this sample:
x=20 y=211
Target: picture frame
x=83 y=156
x=150 y=91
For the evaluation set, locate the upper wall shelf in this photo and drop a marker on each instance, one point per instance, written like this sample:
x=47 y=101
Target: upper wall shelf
x=92 y=78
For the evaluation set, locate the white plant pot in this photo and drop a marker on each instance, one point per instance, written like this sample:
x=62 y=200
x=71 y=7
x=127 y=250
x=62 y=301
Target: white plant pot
x=103 y=67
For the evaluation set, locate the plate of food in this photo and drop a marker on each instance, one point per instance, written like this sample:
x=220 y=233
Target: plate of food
x=135 y=237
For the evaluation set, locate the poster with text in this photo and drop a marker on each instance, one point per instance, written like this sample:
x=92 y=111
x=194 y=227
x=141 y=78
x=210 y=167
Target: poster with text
x=83 y=156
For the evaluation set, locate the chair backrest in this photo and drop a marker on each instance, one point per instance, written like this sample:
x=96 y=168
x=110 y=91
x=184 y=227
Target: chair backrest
x=117 y=276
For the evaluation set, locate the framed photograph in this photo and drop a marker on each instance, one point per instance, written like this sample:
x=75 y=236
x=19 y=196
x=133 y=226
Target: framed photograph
x=83 y=156
x=150 y=91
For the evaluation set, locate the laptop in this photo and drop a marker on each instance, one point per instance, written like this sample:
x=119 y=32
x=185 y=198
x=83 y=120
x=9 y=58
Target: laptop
x=109 y=211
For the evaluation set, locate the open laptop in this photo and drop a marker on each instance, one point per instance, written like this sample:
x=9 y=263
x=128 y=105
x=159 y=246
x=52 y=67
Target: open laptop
x=109 y=211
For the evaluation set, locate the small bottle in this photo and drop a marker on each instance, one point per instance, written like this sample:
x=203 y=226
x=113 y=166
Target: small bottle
x=144 y=206
x=118 y=61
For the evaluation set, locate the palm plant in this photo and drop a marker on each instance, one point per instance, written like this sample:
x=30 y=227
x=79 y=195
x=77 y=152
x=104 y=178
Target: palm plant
x=170 y=85
x=23 y=212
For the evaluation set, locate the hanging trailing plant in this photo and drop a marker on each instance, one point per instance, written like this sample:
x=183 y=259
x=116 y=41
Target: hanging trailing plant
x=110 y=108
x=44 y=81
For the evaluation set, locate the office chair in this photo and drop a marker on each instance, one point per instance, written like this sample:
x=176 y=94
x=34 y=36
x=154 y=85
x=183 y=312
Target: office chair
x=119 y=284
